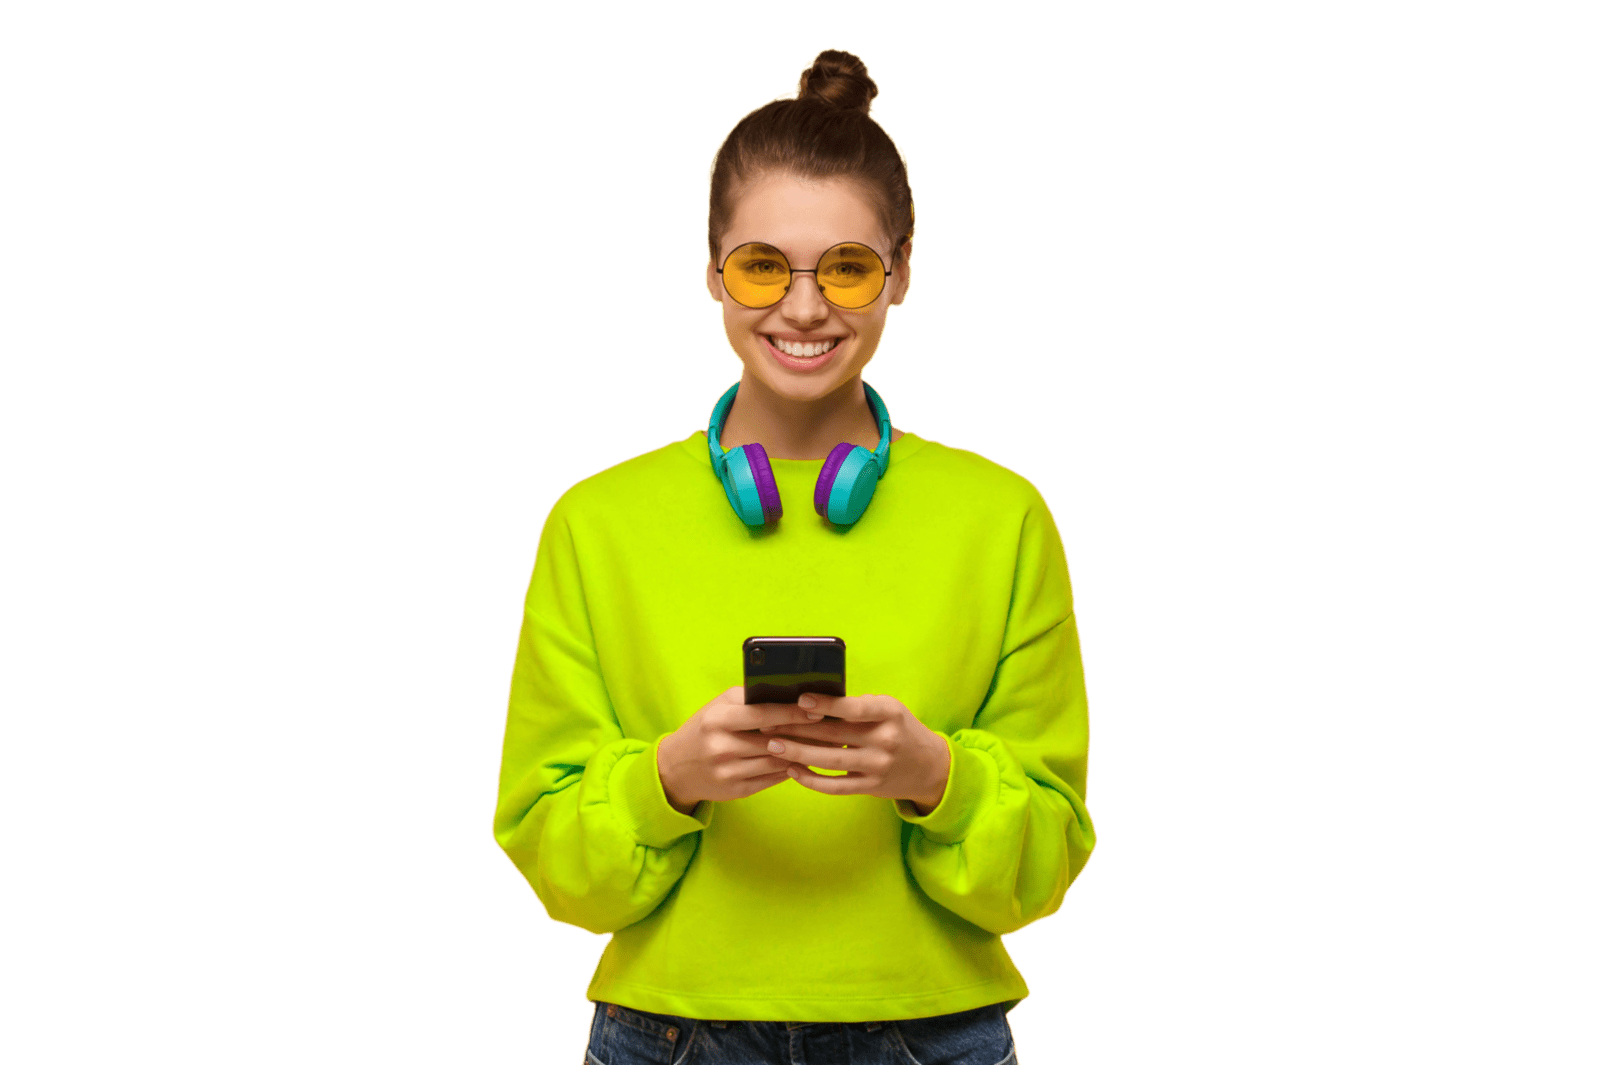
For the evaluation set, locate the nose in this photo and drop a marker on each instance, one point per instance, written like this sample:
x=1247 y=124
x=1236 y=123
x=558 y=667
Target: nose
x=804 y=305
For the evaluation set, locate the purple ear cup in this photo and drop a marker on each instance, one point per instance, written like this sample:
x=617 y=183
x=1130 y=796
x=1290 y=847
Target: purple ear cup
x=830 y=471
x=766 y=487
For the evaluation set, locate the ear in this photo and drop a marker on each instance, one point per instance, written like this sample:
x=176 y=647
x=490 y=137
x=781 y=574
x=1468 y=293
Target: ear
x=713 y=281
x=902 y=273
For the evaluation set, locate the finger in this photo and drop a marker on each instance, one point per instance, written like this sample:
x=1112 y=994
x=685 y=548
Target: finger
x=852 y=707
x=806 y=727
x=747 y=716
x=826 y=731
x=853 y=760
x=796 y=733
x=751 y=785
x=817 y=701
x=828 y=726
x=767 y=765
x=759 y=762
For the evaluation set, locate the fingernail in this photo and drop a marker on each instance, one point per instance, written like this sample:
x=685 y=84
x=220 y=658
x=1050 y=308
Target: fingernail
x=776 y=746
x=808 y=701
x=815 y=717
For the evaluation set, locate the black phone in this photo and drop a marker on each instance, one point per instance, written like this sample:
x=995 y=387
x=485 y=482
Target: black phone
x=779 y=669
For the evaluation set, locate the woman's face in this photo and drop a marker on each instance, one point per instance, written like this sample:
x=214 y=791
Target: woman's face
x=803 y=219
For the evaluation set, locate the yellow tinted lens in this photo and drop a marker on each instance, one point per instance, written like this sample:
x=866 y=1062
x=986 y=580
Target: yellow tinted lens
x=850 y=275
x=756 y=275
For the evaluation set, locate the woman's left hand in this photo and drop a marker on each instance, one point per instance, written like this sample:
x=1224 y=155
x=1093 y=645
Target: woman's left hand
x=890 y=754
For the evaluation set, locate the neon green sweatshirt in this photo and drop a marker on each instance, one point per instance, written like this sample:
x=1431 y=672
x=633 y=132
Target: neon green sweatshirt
x=951 y=594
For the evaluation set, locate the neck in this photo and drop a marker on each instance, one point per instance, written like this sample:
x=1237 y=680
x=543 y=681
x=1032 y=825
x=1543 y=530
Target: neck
x=799 y=429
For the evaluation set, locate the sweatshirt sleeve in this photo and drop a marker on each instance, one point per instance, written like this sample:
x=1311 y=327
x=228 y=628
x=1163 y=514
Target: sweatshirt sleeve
x=1012 y=832
x=581 y=811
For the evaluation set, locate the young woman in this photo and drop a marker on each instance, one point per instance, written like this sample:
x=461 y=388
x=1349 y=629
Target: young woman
x=828 y=881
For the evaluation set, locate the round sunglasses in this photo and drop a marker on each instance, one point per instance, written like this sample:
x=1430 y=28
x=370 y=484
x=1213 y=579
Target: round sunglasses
x=757 y=275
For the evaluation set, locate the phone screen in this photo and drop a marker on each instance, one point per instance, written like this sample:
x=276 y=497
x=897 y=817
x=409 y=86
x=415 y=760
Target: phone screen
x=779 y=669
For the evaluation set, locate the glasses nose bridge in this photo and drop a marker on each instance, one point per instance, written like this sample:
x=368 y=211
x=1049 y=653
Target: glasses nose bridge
x=821 y=296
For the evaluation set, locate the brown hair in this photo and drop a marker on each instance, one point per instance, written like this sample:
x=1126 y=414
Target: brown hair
x=822 y=133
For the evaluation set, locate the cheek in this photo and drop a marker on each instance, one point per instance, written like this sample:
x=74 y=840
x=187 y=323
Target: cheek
x=739 y=324
x=870 y=327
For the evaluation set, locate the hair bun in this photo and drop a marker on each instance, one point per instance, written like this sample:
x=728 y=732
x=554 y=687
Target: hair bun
x=839 y=80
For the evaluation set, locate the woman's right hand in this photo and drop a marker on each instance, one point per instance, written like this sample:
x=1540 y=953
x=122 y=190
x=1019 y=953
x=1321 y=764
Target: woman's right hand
x=718 y=753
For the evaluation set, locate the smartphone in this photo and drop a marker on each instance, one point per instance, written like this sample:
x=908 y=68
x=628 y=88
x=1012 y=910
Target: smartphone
x=779 y=669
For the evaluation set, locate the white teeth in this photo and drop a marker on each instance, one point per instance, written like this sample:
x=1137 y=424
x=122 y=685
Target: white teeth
x=803 y=351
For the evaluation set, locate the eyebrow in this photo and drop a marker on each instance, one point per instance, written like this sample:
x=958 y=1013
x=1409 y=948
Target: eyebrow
x=851 y=249
x=845 y=248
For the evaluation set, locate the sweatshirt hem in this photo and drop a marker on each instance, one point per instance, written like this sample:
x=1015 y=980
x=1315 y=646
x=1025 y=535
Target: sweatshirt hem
x=814 y=1008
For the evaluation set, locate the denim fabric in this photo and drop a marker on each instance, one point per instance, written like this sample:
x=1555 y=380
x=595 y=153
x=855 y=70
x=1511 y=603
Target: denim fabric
x=623 y=1036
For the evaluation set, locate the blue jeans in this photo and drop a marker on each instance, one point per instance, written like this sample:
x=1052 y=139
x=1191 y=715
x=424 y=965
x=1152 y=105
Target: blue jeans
x=623 y=1036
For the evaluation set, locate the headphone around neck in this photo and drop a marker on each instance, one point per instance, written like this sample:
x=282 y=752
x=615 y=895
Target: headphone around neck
x=849 y=474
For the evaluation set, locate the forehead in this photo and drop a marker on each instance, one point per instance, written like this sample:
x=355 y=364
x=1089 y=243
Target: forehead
x=803 y=218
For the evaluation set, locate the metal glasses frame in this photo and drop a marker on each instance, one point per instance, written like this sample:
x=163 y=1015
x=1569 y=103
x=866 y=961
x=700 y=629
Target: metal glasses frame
x=887 y=273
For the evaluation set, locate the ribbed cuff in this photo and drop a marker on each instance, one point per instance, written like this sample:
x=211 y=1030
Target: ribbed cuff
x=641 y=802
x=950 y=821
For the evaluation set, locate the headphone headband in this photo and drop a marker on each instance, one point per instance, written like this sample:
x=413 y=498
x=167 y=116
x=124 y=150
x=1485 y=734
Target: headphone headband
x=719 y=417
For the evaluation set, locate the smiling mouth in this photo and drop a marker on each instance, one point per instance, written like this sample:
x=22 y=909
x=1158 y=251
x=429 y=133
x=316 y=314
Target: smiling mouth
x=809 y=350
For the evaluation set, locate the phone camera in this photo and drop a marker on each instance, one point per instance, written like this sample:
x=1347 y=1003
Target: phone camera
x=757 y=656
